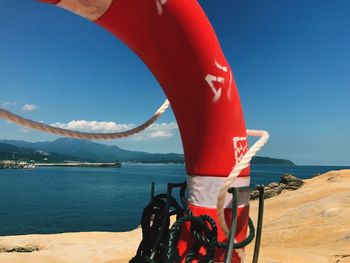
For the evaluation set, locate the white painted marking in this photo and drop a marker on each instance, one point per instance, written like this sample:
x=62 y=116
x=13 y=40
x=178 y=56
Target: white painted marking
x=211 y=79
x=221 y=80
x=240 y=146
x=219 y=66
x=230 y=87
x=160 y=4
x=217 y=92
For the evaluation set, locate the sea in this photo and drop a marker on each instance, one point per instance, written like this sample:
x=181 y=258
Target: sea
x=56 y=200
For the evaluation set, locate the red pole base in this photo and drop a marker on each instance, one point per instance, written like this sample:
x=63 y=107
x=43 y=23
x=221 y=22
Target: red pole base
x=186 y=240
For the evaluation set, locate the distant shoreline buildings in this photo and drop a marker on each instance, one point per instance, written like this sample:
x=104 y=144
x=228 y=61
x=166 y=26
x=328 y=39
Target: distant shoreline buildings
x=11 y=164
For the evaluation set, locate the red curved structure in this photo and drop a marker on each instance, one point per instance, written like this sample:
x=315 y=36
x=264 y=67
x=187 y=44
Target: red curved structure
x=175 y=39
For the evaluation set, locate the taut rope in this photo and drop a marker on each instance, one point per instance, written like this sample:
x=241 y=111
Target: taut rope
x=82 y=135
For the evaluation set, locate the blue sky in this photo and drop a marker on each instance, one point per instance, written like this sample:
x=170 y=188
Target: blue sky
x=291 y=61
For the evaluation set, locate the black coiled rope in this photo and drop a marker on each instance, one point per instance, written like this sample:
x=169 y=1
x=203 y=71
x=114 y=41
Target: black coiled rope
x=152 y=218
x=203 y=230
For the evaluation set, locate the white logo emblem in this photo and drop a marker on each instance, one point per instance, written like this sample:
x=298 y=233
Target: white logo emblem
x=210 y=79
x=240 y=146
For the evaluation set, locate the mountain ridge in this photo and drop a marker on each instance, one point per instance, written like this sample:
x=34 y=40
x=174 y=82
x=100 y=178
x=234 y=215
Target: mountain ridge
x=83 y=150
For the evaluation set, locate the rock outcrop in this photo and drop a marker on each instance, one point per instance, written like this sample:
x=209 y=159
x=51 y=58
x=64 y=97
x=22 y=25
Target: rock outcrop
x=19 y=249
x=287 y=182
x=310 y=224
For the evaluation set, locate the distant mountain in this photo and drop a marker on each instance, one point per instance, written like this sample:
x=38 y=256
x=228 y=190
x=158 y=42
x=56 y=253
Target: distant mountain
x=270 y=161
x=9 y=152
x=92 y=151
x=82 y=150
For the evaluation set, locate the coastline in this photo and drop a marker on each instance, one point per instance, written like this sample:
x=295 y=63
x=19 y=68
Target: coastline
x=80 y=164
x=305 y=225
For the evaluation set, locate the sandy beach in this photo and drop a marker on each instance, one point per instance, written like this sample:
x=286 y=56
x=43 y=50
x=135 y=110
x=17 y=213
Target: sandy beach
x=311 y=224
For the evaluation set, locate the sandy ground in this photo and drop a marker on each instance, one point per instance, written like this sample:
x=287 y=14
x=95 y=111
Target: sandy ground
x=311 y=224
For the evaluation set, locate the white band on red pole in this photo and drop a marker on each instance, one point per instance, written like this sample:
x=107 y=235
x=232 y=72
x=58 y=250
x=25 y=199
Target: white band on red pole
x=202 y=190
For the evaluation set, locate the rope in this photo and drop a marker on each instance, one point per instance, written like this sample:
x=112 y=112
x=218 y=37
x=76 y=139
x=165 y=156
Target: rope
x=151 y=222
x=4 y=114
x=244 y=163
x=204 y=232
x=202 y=228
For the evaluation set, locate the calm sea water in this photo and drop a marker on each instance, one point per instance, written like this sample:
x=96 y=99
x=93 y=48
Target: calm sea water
x=55 y=200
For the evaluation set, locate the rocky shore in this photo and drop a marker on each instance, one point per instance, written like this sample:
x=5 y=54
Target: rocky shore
x=287 y=182
x=302 y=224
x=310 y=224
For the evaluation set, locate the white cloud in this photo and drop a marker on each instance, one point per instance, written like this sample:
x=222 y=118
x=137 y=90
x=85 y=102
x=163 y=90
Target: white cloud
x=155 y=131
x=93 y=126
x=5 y=104
x=157 y=134
x=25 y=130
x=30 y=107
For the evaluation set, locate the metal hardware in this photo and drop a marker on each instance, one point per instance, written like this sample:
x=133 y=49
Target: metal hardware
x=152 y=190
x=261 y=189
x=166 y=216
x=234 y=191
